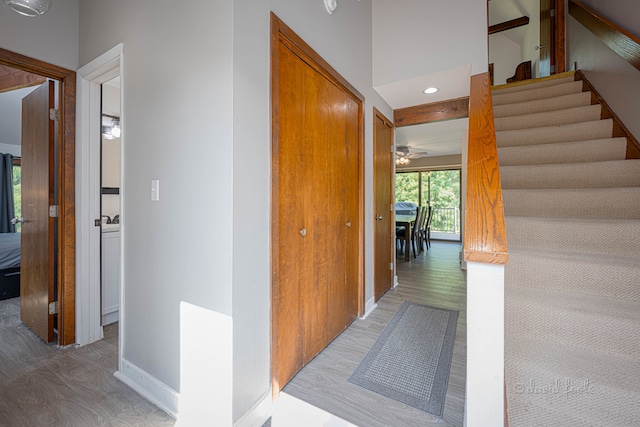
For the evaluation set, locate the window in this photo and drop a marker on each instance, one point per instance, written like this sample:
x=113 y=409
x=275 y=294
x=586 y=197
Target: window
x=17 y=191
x=439 y=189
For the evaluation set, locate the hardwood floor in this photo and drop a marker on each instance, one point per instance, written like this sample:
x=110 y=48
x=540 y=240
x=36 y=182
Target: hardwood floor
x=433 y=278
x=44 y=385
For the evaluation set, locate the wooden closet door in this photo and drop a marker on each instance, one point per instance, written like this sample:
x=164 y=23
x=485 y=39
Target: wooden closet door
x=317 y=243
x=292 y=251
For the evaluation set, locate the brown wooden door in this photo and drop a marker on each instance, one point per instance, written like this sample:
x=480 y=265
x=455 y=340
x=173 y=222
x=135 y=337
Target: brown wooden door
x=316 y=209
x=547 y=39
x=37 y=247
x=382 y=176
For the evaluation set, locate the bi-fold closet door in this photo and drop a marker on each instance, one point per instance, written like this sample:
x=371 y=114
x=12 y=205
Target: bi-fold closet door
x=316 y=178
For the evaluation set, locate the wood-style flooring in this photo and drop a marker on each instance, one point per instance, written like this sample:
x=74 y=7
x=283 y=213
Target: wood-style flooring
x=433 y=278
x=45 y=385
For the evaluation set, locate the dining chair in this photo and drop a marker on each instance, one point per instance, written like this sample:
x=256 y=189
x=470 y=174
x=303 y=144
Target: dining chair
x=426 y=228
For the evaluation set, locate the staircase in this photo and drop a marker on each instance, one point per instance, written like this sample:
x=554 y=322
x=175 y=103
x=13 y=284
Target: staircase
x=572 y=293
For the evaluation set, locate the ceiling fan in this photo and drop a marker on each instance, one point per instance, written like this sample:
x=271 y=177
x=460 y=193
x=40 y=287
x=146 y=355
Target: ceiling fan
x=405 y=152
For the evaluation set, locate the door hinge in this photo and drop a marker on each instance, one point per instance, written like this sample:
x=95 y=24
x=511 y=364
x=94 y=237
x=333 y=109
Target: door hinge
x=391 y=149
x=54 y=211
x=54 y=114
x=390 y=207
x=391 y=266
x=552 y=12
x=53 y=307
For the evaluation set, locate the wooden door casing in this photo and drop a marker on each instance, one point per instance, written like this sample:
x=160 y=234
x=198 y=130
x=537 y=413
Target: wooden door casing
x=317 y=240
x=37 y=237
x=383 y=184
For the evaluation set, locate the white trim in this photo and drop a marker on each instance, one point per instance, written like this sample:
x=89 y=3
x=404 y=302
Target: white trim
x=484 y=400
x=258 y=414
x=369 y=306
x=149 y=387
x=88 y=236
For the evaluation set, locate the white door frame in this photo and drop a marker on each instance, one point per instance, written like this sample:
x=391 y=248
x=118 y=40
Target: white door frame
x=88 y=195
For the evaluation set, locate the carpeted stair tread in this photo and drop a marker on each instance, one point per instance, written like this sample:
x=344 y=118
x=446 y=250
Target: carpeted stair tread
x=611 y=173
x=588 y=274
x=549 y=118
x=596 y=129
x=599 y=236
x=540 y=105
x=564 y=152
x=619 y=202
x=582 y=320
x=532 y=84
x=536 y=93
x=611 y=396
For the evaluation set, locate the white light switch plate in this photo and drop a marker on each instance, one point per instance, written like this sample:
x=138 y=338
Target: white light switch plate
x=155 y=190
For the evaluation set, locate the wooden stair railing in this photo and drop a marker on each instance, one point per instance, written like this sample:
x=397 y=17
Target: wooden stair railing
x=621 y=41
x=485 y=238
x=523 y=72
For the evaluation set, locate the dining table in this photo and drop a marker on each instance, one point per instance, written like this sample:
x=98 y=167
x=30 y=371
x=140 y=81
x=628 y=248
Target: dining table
x=406 y=221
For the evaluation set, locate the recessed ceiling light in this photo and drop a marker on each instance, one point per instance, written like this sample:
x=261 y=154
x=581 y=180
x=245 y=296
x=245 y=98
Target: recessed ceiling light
x=430 y=90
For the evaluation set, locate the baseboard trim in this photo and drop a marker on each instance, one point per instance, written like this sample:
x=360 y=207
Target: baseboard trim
x=149 y=387
x=258 y=414
x=369 y=307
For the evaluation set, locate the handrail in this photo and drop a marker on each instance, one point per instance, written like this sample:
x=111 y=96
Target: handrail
x=485 y=238
x=622 y=42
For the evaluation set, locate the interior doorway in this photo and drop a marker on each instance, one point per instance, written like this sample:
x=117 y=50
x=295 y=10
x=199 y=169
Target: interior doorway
x=110 y=160
x=61 y=300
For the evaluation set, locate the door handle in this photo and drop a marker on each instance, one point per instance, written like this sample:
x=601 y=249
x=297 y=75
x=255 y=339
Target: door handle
x=17 y=220
x=378 y=217
x=540 y=47
x=348 y=224
x=303 y=232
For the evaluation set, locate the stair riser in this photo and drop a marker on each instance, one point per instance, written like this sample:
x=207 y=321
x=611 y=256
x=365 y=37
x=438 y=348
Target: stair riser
x=539 y=93
x=621 y=203
x=553 y=134
x=553 y=118
x=582 y=277
x=536 y=318
x=529 y=85
x=582 y=237
x=623 y=173
x=602 y=401
x=573 y=152
x=550 y=104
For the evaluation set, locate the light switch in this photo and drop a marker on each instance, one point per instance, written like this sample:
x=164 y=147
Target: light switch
x=155 y=190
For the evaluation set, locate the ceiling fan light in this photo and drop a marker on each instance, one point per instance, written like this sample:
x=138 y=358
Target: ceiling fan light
x=29 y=7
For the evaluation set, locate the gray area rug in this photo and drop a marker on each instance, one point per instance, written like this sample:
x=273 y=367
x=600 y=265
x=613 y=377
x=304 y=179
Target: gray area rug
x=411 y=359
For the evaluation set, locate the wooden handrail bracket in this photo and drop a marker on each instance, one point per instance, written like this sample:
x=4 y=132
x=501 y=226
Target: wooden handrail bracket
x=485 y=238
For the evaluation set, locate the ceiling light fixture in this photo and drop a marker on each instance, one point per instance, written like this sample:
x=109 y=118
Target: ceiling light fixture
x=430 y=90
x=331 y=6
x=29 y=7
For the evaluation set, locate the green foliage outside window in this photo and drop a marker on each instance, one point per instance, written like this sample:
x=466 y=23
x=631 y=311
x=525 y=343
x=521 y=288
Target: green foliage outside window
x=17 y=194
x=440 y=189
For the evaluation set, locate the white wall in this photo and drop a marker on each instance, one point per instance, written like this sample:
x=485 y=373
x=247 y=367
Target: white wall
x=615 y=79
x=505 y=55
x=416 y=37
x=624 y=13
x=52 y=37
x=177 y=118
x=12 y=149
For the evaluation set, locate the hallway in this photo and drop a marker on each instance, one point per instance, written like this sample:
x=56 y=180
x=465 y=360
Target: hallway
x=433 y=278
